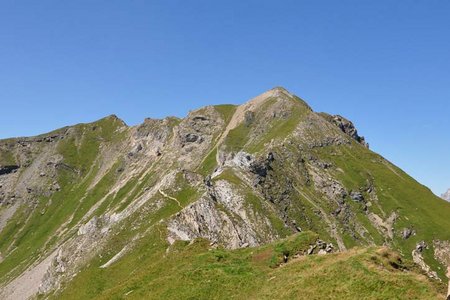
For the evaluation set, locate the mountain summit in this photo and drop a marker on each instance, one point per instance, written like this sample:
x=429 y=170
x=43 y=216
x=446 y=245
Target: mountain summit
x=211 y=205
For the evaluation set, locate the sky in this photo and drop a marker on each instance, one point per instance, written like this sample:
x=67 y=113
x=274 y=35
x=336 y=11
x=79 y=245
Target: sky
x=385 y=65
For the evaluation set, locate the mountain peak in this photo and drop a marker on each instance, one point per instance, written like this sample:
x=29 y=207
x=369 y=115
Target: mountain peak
x=113 y=117
x=278 y=93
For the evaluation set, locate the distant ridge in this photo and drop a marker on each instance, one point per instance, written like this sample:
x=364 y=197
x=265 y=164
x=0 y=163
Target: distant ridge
x=446 y=195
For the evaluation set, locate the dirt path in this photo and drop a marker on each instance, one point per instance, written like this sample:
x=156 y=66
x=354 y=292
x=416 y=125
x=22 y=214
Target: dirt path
x=171 y=198
x=115 y=257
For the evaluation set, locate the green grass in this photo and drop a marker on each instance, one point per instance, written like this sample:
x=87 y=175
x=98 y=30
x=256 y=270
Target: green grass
x=42 y=222
x=396 y=191
x=357 y=274
x=242 y=137
x=6 y=158
x=82 y=148
x=237 y=137
x=279 y=128
x=32 y=230
x=153 y=270
x=209 y=164
x=194 y=271
x=226 y=111
x=229 y=176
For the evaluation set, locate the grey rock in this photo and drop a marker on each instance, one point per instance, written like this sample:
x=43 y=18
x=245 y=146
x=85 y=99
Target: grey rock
x=329 y=248
x=311 y=249
x=347 y=127
x=407 y=232
x=421 y=246
x=322 y=252
x=249 y=118
x=191 y=138
x=8 y=169
x=357 y=196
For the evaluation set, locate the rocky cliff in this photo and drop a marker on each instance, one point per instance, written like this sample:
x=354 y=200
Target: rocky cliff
x=81 y=201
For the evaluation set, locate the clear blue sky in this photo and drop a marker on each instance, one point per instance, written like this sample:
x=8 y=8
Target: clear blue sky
x=383 y=64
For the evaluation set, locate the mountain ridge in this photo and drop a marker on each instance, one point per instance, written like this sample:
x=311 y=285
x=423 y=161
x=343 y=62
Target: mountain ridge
x=86 y=196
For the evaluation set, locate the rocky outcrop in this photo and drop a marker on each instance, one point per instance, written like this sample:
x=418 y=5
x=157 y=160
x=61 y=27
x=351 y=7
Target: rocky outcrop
x=442 y=254
x=417 y=255
x=347 y=127
x=8 y=169
x=223 y=217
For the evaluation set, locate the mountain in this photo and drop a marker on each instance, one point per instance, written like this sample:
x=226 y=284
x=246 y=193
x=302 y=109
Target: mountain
x=264 y=200
x=446 y=195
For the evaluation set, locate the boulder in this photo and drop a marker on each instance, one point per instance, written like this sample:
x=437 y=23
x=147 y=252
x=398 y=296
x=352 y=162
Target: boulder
x=357 y=196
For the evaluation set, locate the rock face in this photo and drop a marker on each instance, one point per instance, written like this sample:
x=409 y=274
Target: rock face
x=347 y=127
x=446 y=195
x=238 y=176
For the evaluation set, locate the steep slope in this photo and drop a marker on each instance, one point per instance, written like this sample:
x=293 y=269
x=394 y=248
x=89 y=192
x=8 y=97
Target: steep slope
x=92 y=201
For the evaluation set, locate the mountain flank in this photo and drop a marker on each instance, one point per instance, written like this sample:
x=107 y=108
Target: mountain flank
x=264 y=200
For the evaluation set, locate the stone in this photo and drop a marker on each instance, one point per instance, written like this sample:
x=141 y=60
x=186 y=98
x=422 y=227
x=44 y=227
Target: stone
x=329 y=248
x=407 y=232
x=347 y=127
x=191 y=138
x=311 y=249
x=321 y=244
x=421 y=246
x=322 y=252
x=249 y=118
x=357 y=196
x=8 y=169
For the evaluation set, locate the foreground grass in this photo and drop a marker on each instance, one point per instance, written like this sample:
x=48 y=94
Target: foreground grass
x=195 y=271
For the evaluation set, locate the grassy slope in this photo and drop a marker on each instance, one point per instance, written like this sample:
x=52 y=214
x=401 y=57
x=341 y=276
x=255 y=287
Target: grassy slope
x=6 y=158
x=193 y=271
x=244 y=138
x=417 y=206
x=196 y=272
x=32 y=229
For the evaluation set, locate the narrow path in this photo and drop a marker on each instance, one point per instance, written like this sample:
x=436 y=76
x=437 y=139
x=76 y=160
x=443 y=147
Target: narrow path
x=170 y=197
x=115 y=257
